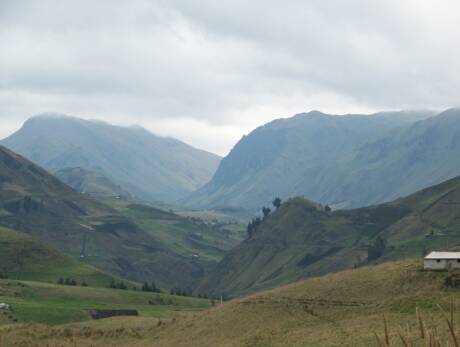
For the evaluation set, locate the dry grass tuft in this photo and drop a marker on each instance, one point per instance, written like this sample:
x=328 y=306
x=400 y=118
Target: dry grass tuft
x=427 y=333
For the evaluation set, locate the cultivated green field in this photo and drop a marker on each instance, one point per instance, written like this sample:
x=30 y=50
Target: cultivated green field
x=33 y=270
x=59 y=304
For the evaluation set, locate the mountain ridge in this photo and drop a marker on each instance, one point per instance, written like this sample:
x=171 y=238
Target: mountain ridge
x=320 y=156
x=149 y=167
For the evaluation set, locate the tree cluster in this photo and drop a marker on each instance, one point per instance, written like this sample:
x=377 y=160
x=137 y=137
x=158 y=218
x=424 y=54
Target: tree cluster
x=252 y=226
x=178 y=292
x=146 y=287
x=159 y=300
x=70 y=282
x=255 y=222
x=266 y=211
x=277 y=203
x=377 y=249
x=118 y=285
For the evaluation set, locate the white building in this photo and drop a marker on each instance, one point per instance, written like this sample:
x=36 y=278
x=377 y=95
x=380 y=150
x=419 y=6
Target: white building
x=4 y=306
x=442 y=261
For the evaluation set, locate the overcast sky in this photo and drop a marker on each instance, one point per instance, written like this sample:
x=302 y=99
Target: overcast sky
x=209 y=71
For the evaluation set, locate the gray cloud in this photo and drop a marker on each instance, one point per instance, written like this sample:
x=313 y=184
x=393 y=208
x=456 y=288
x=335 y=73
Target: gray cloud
x=209 y=71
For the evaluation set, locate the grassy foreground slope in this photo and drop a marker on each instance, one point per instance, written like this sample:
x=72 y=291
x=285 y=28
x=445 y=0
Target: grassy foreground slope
x=301 y=239
x=22 y=257
x=341 y=309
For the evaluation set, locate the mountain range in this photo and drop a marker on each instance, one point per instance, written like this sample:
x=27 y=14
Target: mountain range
x=344 y=161
x=147 y=166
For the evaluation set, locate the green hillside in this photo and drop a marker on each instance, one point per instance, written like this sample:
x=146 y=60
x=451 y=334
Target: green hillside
x=341 y=309
x=24 y=258
x=149 y=167
x=301 y=239
x=135 y=242
x=191 y=237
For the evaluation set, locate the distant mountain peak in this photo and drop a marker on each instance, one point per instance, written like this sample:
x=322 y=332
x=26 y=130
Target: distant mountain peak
x=51 y=115
x=148 y=166
x=316 y=113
